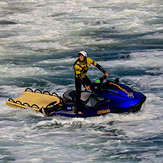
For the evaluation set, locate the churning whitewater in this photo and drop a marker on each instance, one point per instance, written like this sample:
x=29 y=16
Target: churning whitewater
x=39 y=43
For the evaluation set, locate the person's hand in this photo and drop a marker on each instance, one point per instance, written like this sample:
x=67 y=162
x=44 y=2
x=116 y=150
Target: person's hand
x=106 y=74
x=87 y=87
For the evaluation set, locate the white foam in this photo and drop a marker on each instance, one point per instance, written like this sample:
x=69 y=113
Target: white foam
x=73 y=18
x=18 y=71
x=45 y=28
x=3 y=4
x=65 y=60
x=144 y=59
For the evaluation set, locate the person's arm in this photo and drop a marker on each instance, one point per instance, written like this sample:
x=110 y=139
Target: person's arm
x=81 y=80
x=101 y=69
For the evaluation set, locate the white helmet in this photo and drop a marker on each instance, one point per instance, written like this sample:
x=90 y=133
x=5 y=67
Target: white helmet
x=83 y=53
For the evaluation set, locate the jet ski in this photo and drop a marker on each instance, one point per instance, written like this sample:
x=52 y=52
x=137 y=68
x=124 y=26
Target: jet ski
x=105 y=97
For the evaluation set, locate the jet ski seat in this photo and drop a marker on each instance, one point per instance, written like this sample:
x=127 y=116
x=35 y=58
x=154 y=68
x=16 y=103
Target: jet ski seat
x=87 y=98
x=69 y=95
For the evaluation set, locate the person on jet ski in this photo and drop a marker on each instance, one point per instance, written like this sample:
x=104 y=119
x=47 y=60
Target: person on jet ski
x=81 y=67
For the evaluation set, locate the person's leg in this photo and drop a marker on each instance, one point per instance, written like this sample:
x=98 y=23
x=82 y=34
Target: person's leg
x=78 y=94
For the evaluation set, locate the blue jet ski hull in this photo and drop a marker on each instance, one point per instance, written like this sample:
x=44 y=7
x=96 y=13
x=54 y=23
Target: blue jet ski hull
x=96 y=112
x=109 y=97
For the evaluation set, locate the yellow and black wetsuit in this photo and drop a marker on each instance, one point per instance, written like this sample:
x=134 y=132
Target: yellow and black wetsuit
x=81 y=69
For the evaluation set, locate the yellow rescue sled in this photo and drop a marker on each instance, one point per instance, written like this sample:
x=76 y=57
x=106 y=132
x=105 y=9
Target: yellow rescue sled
x=36 y=100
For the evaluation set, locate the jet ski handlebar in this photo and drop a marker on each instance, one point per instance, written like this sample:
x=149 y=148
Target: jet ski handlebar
x=97 y=83
x=103 y=78
x=100 y=80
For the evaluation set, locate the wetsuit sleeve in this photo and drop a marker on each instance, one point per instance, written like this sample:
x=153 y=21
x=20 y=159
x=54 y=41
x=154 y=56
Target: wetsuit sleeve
x=100 y=68
x=92 y=62
x=81 y=80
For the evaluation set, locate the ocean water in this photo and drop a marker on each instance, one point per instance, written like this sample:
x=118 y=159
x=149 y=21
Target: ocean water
x=39 y=42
